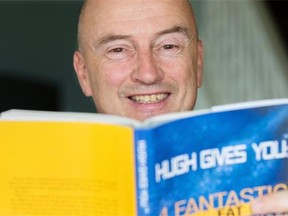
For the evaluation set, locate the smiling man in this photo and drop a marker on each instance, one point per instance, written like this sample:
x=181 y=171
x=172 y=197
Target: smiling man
x=140 y=58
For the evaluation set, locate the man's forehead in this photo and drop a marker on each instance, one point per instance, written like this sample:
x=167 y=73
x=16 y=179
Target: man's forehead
x=133 y=1
x=102 y=17
x=113 y=37
x=101 y=11
x=98 y=5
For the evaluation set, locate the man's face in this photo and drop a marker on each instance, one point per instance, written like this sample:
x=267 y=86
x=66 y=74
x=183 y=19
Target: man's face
x=139 y=58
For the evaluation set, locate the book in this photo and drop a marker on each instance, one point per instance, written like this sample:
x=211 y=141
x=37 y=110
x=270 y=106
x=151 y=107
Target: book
x=207 y=162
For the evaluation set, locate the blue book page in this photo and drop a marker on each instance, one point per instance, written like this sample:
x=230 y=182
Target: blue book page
x=211 y=161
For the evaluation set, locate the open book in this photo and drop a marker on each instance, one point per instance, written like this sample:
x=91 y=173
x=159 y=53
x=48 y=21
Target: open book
x=211 y=162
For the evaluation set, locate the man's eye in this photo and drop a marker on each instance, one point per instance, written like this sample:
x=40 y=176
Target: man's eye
x=169 y=50
x=169 y=46
x=117 y=50
x=118 y=53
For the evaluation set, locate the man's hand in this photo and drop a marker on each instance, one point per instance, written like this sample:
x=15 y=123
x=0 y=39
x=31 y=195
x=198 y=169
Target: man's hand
x=273 y=203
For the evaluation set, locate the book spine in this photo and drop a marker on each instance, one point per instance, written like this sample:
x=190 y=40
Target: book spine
x=142 y=180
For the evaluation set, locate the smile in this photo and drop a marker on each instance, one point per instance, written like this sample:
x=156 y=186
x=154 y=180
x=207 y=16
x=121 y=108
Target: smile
x=147 y=99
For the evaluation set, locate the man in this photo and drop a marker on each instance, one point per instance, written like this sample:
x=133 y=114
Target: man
x=148 y=60
x=140 y=58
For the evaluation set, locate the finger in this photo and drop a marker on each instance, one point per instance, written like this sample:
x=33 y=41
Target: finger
x=272 y=203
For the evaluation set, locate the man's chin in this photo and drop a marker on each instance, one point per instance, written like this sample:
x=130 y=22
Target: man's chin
x=142 y=116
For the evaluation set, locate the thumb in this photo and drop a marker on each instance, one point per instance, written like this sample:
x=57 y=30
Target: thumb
x=272 y=203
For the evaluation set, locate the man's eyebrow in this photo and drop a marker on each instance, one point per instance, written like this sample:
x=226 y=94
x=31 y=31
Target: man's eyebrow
x=108 y=38
x=175 y=29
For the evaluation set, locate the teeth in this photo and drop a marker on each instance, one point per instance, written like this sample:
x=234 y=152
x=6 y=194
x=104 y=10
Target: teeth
x=149 y=98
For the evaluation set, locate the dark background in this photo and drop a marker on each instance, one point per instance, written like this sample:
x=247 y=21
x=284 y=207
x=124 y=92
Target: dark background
x=279 y=12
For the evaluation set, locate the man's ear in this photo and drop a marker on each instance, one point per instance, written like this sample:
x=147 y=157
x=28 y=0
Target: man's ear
x=82 y=73
x=200 y=63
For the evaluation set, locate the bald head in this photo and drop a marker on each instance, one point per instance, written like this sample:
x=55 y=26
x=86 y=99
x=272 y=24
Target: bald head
x=90 y=8
x=139 y=58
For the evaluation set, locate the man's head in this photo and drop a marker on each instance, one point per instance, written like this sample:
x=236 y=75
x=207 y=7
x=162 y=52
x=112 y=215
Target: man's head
x=139 y=58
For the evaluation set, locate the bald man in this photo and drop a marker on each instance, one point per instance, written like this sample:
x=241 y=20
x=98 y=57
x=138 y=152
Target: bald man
x=140 y=58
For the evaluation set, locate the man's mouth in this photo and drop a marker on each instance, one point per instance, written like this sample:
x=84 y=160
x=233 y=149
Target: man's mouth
x=147 y=99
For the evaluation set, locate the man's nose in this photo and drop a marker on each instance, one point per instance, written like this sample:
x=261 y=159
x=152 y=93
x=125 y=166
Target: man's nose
x=147 y=71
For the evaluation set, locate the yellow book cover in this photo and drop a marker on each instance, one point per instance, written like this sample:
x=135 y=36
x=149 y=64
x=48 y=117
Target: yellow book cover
x=66 y=168
x=211 y=163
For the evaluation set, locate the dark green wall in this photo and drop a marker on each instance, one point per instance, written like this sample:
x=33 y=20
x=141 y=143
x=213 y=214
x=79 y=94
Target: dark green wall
x=37 y=40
